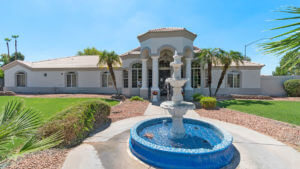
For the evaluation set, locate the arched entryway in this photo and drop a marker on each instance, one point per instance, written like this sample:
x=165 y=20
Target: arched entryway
x=166 y=57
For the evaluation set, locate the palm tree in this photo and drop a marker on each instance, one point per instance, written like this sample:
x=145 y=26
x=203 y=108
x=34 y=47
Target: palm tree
x=17 y=123
x=209 y=57
x=7 y=40
x=111 y=59
x=15 y=37
x=226 y=59
x=290 y=40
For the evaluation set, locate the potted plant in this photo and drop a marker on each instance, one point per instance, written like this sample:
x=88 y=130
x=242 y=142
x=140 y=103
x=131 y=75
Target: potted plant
x=154 y=97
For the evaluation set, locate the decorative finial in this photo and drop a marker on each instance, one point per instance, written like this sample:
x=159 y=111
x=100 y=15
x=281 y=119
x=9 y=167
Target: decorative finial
x=177 y=59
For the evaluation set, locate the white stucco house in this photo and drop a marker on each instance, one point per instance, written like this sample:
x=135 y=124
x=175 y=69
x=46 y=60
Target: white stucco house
x=143 y=70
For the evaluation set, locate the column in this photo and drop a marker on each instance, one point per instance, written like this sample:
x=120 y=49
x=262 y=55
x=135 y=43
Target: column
x=155 y=73
x=144 y=74
x=188 y=72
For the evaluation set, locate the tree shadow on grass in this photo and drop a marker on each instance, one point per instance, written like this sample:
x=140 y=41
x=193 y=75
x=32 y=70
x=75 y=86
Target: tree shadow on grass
x=227 y=103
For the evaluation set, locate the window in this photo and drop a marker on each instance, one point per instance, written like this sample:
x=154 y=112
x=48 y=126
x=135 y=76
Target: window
x=233 y=80
x=107 y=80
x=206 y=78
x=164 y=64
x=136 y=75
x=196 y=75
x=71 y=79
x=21 y=79
x=125 y=78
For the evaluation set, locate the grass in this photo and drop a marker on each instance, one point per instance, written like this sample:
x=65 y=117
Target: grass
x=49 y=107
x=285 y=111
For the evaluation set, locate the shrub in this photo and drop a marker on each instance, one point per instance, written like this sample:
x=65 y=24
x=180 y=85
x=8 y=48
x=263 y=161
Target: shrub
x=197 y=97
x=77 y=121
x=292 y=87
x=208 y=102
x=136 y=98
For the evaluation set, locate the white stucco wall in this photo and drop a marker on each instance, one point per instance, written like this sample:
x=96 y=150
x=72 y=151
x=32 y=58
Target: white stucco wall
x=250 y=78
x=35 y=78
x=177 y=42
x=273 y=85
x=56 y=79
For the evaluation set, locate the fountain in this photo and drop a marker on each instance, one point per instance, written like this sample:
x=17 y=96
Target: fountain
x=179 y=142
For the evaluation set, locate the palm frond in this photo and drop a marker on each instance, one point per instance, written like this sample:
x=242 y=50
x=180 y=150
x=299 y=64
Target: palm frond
x=290 y=43
x=34 y=144
x=11 y=110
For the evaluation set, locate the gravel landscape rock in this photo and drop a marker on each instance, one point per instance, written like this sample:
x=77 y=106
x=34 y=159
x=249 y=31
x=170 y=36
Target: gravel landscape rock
x=287 y=133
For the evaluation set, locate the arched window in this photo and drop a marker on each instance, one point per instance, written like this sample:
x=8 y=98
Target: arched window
x=21 y=79
x=164 y=64
x=107 y=80
x=196 y=75
x=233 y=79
x=71 y=79
x=136 y=75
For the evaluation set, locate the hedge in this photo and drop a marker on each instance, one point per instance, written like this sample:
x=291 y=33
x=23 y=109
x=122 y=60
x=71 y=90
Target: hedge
x=208 y=102
x=197 y=97
x=292 y=87
x=77 y=121
x=136 y=98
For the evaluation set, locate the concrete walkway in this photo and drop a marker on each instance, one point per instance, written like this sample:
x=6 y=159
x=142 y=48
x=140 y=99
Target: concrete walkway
x=109 y=149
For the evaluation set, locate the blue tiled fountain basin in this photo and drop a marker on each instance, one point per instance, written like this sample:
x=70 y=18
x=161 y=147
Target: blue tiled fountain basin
x=204 y=145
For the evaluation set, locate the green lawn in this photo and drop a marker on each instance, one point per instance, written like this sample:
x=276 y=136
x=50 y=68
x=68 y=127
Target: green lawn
x=286 y=111
x=49 y=107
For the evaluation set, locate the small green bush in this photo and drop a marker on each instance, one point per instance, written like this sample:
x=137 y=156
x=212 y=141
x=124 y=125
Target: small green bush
x=197 y=97
x=208 y=102
x=292 y=87
x=1 y=73
x=136 y=98
x=77 y=121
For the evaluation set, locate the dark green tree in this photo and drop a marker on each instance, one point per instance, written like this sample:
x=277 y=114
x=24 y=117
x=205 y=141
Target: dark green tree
x=89 y=51
x=286 y=66
x=16 y=56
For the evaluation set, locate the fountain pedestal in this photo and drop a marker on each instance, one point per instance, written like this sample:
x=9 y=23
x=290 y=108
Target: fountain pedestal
x=177 y=110
x=177 y=107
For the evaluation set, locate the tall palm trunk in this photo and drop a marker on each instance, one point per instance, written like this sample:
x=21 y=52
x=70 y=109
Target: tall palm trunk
x=224 y=70
x=7 y=49
x=209 y=67
x=111 y=71
x=16 y=51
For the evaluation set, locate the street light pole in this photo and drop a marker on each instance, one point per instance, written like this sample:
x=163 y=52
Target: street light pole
x=245 y=51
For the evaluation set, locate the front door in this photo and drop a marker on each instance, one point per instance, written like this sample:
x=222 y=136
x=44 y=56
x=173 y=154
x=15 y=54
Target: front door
x=163 y=75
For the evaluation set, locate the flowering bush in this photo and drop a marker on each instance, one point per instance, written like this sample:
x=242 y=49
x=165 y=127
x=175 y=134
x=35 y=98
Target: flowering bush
x=155 y=93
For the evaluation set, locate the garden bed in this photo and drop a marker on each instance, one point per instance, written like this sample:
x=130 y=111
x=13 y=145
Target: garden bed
x=287 y=133
x=48 y=159
x=128 y=109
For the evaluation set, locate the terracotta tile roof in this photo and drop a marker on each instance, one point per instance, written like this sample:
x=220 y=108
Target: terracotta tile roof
x=167 y=29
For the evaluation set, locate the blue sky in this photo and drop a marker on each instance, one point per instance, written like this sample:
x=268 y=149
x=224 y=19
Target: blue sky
x=59 y=28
